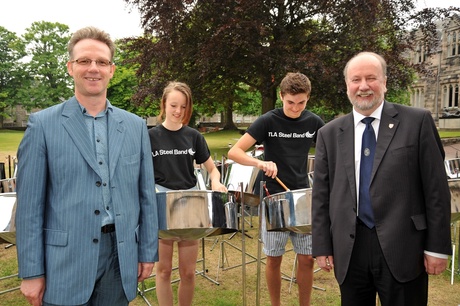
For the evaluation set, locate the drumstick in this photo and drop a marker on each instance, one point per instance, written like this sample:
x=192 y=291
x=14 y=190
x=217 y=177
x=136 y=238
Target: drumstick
x=281 y=183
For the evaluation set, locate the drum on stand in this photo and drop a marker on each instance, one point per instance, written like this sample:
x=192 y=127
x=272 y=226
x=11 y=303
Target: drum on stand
x=7 y=217
x=288 y=211
x=8 y=185
x=237 y=174
x=195 y=214
x=8 y=229
x=247 y=177
x=454 y=186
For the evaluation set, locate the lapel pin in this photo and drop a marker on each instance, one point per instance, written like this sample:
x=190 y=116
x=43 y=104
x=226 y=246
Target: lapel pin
x=391 y=125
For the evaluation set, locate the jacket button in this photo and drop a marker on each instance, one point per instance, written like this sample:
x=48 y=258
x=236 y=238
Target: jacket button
x=352 y=236
x=95 y=240
x=98 y=184
x=97 y=212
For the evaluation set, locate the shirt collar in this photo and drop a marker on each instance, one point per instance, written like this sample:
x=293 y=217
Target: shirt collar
x=108 y=107
x=377 y=114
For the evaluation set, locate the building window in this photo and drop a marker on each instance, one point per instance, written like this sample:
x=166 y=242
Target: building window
x=450 y=96
x=453 y=43
x=418 y=98
x=420 y=54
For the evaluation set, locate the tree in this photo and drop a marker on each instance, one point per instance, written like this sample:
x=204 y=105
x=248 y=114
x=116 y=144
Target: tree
x=46 y=46
x=123 y=85
x=11 y=73
x=216 y=45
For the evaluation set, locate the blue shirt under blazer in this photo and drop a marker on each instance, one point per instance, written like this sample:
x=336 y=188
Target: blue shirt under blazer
x=59 y=194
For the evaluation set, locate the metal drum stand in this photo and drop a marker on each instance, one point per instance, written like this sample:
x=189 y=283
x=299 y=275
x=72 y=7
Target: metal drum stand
x=242 y=249
x=193 y=215
x=142 y=289
x=262 y=217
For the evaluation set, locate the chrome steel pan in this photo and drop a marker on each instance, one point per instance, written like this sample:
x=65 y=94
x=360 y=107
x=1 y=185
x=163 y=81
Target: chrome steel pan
x=7 y=214
x=8 y=185
x=195 y=214
x=288 y=211
x=452 y=168
x=454 y=185
x=250 y=177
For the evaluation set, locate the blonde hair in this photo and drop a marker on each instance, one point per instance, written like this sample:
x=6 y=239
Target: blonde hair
x=91 y=33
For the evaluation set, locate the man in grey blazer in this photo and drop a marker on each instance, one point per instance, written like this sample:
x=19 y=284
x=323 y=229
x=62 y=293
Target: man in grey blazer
x=409 y=196
x=86 y=221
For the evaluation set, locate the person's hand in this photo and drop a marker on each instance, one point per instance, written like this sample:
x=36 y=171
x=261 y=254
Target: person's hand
x=144 y=270
x=33 y=290
x=268 y=167
x=326 y=263
x=435 y=265
x=218 y=186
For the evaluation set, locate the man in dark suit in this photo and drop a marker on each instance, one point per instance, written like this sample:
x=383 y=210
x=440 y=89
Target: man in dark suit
x=86 y=220
x=408 y=236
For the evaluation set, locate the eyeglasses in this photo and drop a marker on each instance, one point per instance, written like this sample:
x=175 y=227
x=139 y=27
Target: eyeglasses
x=87 y=62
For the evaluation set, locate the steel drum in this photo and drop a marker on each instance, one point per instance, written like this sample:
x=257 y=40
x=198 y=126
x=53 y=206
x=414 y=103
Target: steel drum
x=195 y=214
x=7 y=214
x=288 y=211
x=454 y=186
x=452 y=168
x=8 y=185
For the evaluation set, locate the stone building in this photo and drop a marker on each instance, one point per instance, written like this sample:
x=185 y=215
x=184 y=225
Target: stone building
x=438 y=90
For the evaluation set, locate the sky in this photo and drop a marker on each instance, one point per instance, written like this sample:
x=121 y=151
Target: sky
x=112 y=16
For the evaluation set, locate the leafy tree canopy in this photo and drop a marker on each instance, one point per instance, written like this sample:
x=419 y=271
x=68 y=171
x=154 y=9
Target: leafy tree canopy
x=217 y=45
x=46 y=47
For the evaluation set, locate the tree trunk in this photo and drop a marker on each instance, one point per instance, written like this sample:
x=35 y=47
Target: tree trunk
x=228 y=120
x=1 y=118
x=268 y=93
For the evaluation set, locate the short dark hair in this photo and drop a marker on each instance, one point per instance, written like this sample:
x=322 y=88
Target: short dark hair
x=295 y=83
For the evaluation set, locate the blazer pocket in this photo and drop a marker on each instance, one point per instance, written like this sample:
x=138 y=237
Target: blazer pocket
x=407 y=150
x=419 y=222
x=130 y=159
x=55 y=237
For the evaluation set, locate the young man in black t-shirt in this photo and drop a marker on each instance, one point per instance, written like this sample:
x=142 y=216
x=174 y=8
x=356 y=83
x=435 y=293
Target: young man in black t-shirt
x=287 y=134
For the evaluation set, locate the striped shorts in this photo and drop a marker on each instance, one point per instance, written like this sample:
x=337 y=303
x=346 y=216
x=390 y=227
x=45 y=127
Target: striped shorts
x=275 y=242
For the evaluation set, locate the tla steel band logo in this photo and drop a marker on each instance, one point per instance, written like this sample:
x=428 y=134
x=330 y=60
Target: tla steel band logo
x=291 y=135
x=173 y=152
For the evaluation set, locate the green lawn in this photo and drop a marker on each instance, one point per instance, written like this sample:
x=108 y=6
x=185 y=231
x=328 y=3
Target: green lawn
x=9 y=140
x=449 y=133
x=218 y=142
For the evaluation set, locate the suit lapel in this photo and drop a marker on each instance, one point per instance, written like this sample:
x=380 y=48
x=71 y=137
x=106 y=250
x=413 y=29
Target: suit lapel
x=387 y=130
x=75 y=126
x=346 y=149
x=116 y=138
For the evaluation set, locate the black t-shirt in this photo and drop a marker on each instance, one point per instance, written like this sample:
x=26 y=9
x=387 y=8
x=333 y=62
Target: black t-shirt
x=287 y=142
x=173 y=155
